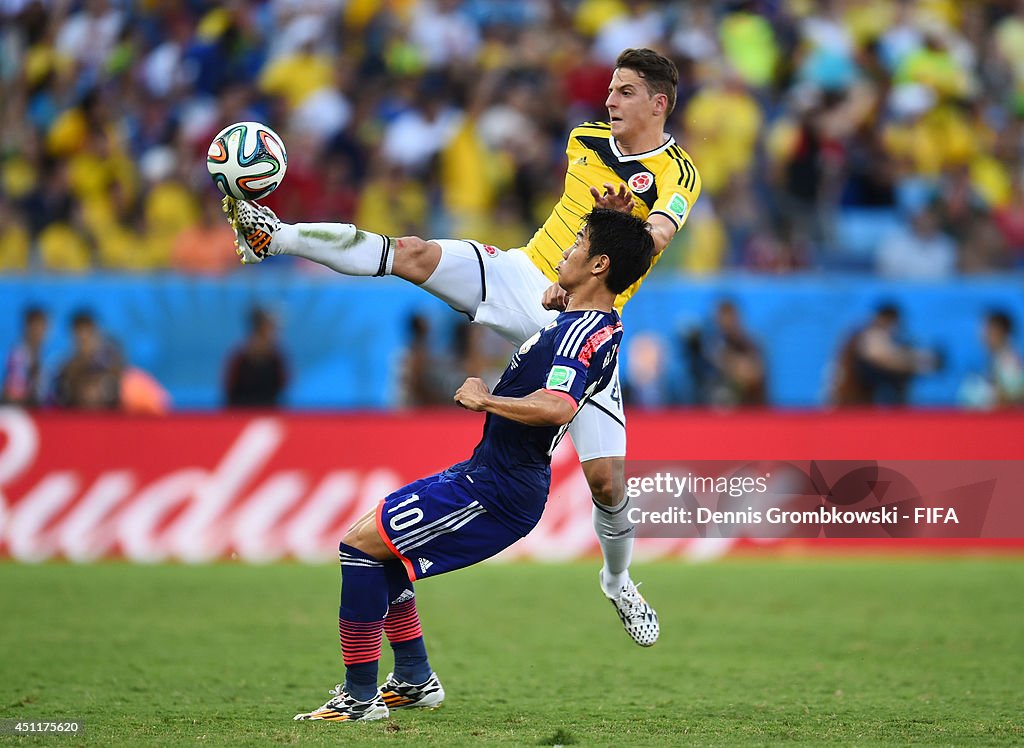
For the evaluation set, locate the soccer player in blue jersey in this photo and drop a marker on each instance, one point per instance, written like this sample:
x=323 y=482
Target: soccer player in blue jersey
x=476 y=508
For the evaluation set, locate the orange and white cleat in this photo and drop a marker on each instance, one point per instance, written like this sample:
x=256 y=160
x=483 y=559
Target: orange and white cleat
x=254 y=226
x=400 y=695
x=343 y=708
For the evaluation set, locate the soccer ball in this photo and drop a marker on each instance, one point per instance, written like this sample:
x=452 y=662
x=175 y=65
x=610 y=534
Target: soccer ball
x=247 y=160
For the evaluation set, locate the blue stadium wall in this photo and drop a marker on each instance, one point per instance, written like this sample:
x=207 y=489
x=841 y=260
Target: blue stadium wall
x=344 y=337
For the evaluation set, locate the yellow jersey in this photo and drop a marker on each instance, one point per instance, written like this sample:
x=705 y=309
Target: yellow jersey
x=663 y=181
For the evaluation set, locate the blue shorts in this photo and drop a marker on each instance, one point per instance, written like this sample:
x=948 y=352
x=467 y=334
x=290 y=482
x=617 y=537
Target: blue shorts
x=437 y=524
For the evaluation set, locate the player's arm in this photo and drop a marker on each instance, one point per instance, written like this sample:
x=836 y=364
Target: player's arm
x=555 y=297
x=540 y=408
x=568 y=377
x=662 y=231
x=679 y=187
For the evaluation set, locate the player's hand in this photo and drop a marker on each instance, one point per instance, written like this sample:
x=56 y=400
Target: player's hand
x=555 y=297
x=612 y=199
x=472 y=394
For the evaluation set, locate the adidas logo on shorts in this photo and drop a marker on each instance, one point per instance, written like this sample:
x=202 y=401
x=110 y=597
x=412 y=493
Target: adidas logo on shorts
x=425 y=564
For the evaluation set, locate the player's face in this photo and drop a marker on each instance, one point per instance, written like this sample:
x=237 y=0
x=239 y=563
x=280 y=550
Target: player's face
x=572 y=270
x=630 y=105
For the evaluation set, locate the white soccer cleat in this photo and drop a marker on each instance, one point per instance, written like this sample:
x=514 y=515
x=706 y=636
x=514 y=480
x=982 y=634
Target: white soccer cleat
x=637 y=616
x=343 y=708
x=400 y=695
x=254 y=226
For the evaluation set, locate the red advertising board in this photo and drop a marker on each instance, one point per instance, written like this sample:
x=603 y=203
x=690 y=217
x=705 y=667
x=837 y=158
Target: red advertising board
x=262 y=487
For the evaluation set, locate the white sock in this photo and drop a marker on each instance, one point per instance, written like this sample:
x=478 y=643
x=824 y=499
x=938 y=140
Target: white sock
x=340 y=246
x=615 y=534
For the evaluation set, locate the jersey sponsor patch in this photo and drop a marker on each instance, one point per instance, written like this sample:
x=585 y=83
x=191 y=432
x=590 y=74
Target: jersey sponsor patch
x=679 y=206
x=491 y=251
x=641 y=182
x=560 y=378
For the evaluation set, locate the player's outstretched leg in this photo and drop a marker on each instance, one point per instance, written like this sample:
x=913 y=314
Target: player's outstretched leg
x=413 y=684
x=343 y=247
x=259 y=233
x=450 y=269
x=615 y=533
x=364 y=604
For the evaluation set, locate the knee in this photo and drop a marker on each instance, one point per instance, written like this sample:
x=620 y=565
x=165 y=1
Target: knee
x=417 y=254
x=351 y=537
x=605 y=477
x=361 y=535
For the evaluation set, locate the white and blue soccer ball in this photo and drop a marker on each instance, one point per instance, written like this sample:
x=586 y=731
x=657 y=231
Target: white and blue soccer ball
x=247 y=160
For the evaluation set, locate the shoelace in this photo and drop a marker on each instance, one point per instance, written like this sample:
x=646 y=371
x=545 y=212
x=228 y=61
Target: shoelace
x=337 y=694
x=635 y=600
x=632 y=594
x=259 y=215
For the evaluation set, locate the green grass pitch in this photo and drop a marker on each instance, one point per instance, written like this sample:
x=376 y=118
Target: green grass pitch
x=753 y=652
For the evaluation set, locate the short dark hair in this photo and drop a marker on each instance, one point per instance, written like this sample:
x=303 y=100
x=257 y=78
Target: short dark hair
x=627 y=242
x=659 y=73
x=82 y=318
x=1001 y=320
x=34 y=313
x=888 y=310
x=259 y=317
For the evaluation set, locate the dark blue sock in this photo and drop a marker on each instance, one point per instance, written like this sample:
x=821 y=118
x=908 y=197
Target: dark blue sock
x=364 y=603
x=402 y=627
x=361 y=680
x=411 y=664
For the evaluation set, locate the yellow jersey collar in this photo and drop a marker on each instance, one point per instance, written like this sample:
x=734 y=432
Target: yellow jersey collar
x=638 y=156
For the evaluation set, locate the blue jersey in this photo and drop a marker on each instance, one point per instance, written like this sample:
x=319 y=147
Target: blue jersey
x=573 y=357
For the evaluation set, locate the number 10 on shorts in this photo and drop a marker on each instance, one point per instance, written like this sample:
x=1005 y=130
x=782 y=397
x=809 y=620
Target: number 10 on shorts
x=408 y=518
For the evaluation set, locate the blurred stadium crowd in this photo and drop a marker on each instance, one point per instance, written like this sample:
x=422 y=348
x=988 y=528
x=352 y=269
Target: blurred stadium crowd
x=874 y=135
x=878 y=137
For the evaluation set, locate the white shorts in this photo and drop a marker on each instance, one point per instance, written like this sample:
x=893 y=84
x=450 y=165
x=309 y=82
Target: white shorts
x=502 y=291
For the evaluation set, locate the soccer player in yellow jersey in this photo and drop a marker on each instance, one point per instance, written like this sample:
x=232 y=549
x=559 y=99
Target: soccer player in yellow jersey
x=628 y=163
